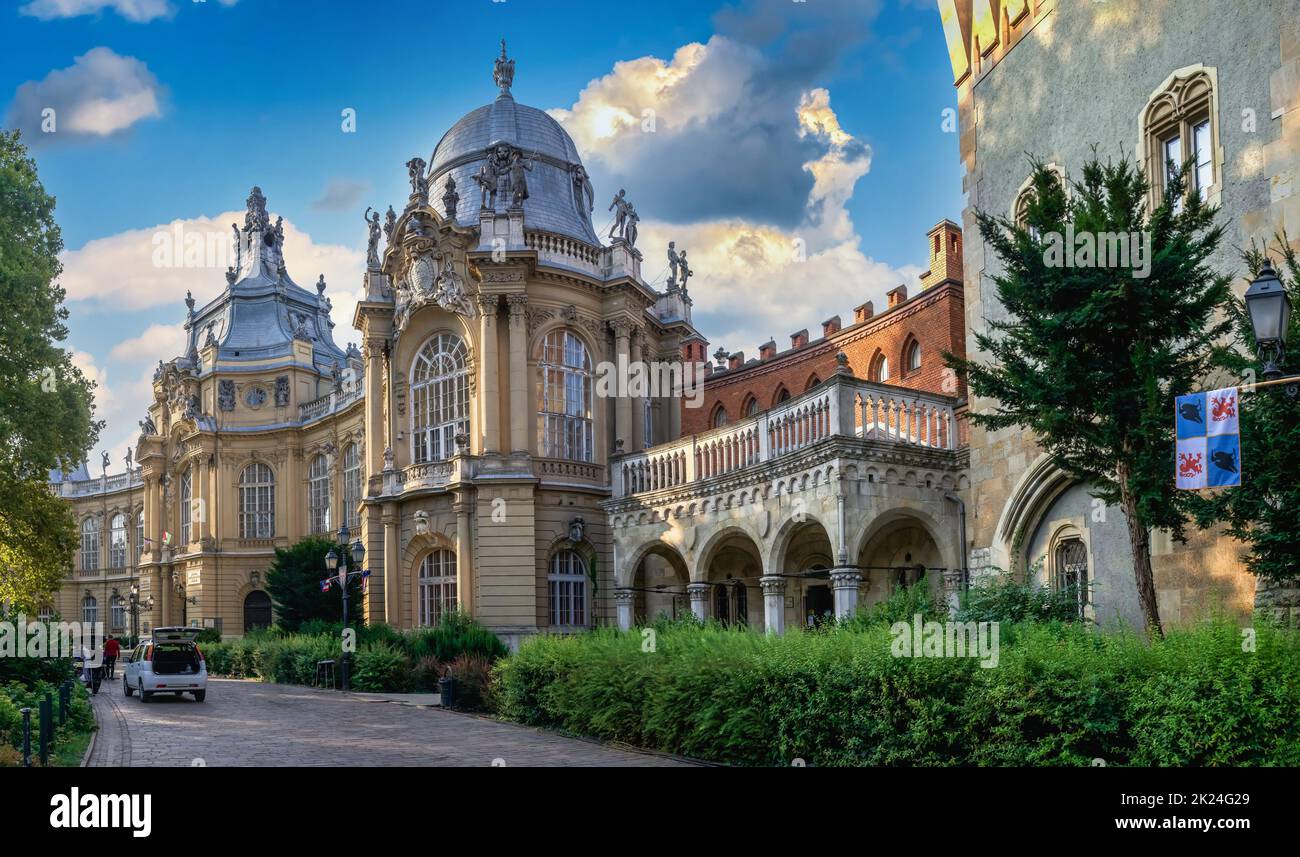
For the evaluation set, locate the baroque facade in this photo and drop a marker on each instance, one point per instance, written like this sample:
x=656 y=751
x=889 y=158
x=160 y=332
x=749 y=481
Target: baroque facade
x=1155 y=80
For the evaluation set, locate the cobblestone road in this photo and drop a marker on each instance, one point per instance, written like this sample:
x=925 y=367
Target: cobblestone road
x=246 y=723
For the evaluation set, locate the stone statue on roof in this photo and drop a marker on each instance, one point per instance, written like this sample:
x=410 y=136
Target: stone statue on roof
x=372 y=242
x=419 y=182
x=450 y=199
x=503 y=70
x=390 y=221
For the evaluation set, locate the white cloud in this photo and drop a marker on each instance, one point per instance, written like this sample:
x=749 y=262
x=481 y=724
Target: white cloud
x=101 y=93
x=774 y=248
x=137 y=11
x=157 y=341
x=340 y=195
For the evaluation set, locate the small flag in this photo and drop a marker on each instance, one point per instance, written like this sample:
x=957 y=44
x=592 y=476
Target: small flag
x=167 y=537
x=1208 y=447
x=325 y=584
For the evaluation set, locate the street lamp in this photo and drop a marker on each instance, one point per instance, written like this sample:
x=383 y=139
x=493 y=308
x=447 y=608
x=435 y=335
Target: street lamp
x=1269 y=308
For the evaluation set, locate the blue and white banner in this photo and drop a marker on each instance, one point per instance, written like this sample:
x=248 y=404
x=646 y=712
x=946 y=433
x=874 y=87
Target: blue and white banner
x=1208 y=453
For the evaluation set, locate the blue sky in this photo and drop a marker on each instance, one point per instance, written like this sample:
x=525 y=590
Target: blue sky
x=218 y=96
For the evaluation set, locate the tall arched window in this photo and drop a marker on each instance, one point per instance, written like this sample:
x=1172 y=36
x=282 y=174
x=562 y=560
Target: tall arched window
x=186 y=513
x=257 y=502
x=437 y=586
x=439 y=398
x=567 y=585
x=913 y=356
x=564 y=423
x=782 y=395
x=750 y=407
x=117 y=541
x=1071 y=569
x=318 y=495
x=880 y=368
x=139 y=532
x=352 y=486
x=719 y=418
x=117 y=613
x=89 y=610
x=648 y=425
x=90 y=544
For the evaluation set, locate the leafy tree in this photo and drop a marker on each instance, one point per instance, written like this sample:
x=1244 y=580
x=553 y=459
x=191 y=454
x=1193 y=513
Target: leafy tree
x=46 y=404
x=1091 y=357
x=1265 y=512
x=294 y=581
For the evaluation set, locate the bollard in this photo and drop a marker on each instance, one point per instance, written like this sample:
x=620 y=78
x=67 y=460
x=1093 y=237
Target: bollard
x=47 y=728
x=27 y=737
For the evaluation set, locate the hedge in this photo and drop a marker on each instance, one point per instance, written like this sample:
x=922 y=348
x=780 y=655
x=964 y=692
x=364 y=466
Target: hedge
x=1060 y=695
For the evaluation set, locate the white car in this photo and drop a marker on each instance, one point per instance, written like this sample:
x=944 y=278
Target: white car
x=169 y=661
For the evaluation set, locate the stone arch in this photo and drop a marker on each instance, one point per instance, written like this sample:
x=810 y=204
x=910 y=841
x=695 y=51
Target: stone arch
x=420 y=546
x=658 y=574
x=1037 y=488
x=788 y=531
x=717 y=540
x=949 y=553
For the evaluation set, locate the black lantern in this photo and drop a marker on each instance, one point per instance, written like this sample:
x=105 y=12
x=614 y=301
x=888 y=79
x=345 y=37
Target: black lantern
x=332 y=561
x=1269 y=308
x=358 y=553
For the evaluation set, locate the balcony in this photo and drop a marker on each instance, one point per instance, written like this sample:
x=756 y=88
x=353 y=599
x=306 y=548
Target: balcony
x=881 y=416
x=332 y=403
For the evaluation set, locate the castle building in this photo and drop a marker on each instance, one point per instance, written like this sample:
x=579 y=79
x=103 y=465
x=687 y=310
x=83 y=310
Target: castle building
x=1177 y=80
x=465 y=443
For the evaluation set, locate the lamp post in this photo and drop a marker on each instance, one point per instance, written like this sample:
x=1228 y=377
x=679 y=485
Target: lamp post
x=1269 y=308
x=332 y=561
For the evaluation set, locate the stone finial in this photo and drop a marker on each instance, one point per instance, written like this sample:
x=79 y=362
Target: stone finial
x=503 y=71
x=842 y=364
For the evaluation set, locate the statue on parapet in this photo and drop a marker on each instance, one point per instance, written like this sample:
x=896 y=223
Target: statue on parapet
x=372 y=243
x=620 y=206
x=419 y=182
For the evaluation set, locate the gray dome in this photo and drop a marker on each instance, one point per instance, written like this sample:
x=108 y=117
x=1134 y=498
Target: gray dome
x=553 y=205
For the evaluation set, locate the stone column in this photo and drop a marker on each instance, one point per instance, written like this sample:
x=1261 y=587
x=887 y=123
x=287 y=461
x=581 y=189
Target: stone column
x=376 y=437
x=489 y=389
x=636 y=404
x=464 y=559
x=673 y=416
x=519 y=421
x=699 y=593
x=392 y=569
x=624 y=600
x=845 y=583
x=622 y=404
x=773 y=603
x=952 y=590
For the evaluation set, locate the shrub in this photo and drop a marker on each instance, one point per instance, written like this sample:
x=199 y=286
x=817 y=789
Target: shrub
x=1061 y=694
x=380 y=667
x=1000 y=598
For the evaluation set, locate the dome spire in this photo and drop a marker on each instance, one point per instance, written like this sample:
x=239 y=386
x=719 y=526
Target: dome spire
x=503 y=71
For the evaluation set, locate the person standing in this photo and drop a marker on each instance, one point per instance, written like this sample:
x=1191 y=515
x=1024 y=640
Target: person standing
x=111 y=650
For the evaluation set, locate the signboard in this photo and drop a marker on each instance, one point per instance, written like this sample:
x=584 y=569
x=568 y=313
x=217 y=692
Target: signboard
x=1208 y=451
x=193 y=577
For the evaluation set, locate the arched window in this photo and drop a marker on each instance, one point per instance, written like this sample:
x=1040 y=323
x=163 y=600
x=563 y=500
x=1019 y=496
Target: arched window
x=751 y=406
x=740 y=595
x=812 y=382
x=719 y=418
x=913 y=356
x=318 y=495
x=564 y=423
x=352 y=486
x=257 y=610
x=880 y=368
x=567 y=584
x=139 y=532
x=648 y=428
x=90 y=544
x=782 y=395
x=1070 y=570
x=186 y=492
x=117 y=541
x=257 y=502
x=117 y=613
x=439 y=398
x=437 y=585
x=1179 y=126
x=89 y=610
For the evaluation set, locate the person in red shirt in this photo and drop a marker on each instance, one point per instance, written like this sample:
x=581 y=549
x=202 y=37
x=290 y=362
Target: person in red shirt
x=111 y=651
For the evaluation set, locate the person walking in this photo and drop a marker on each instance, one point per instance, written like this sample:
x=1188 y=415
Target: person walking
x=111 y=650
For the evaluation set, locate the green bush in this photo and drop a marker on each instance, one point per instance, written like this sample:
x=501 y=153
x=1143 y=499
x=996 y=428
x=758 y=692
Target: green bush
x=1001 y=598
x=380 y=667
x=1061 y=694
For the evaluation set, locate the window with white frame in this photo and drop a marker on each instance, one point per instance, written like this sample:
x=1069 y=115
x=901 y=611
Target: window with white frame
x=318 y=495
x=117 y=541
x=564 y=422
x=117 y=613
x=437 y=586
x=90 y=544
x=352 y=486
x=257 y=502
x=139 y=532
x=439 y=398
x=89 y=610
x=914 y=356
x=567 y=585
x=1178 y=129
x=186 y=512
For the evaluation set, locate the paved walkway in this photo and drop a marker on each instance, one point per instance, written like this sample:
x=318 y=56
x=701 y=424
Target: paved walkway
x=245 y=723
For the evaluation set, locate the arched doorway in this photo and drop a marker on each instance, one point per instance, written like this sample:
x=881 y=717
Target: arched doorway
x=901 y=555
x=732 y=568
x=659 y=586
x=257 y=610
x=806 y=559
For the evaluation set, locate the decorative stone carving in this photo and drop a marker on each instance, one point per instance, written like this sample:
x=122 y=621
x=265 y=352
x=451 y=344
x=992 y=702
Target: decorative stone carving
x=282 y=391
x=419 y=182
x=518 y=166
x=503 y=70
x=390 y=220
x=372 y=239
x=684 y=269
x=255 y=397
x=147 y=426
x=535 y=317
x=226 y=395
x=388 y=458
x=621 y=208
x=450 y=199
x=584 y=195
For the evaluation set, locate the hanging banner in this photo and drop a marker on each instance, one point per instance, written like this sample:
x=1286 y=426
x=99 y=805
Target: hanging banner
x=1208 y=453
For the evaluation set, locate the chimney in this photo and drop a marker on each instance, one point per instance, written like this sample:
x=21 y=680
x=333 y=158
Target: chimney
x=896 y=296
x=863 y=312
x=831 y=325
x=800 y=339
x=945 y=254
x=736 y=360
x=767 y=350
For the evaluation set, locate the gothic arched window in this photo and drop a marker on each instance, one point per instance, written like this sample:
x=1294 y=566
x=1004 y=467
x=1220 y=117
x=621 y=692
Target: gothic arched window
x=1179 y=126
x=1070 y=561
x=257 y=502
x=564 y=421
x=439 y=398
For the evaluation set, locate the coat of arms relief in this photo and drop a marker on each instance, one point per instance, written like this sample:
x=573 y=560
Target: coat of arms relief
x=430 y=273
